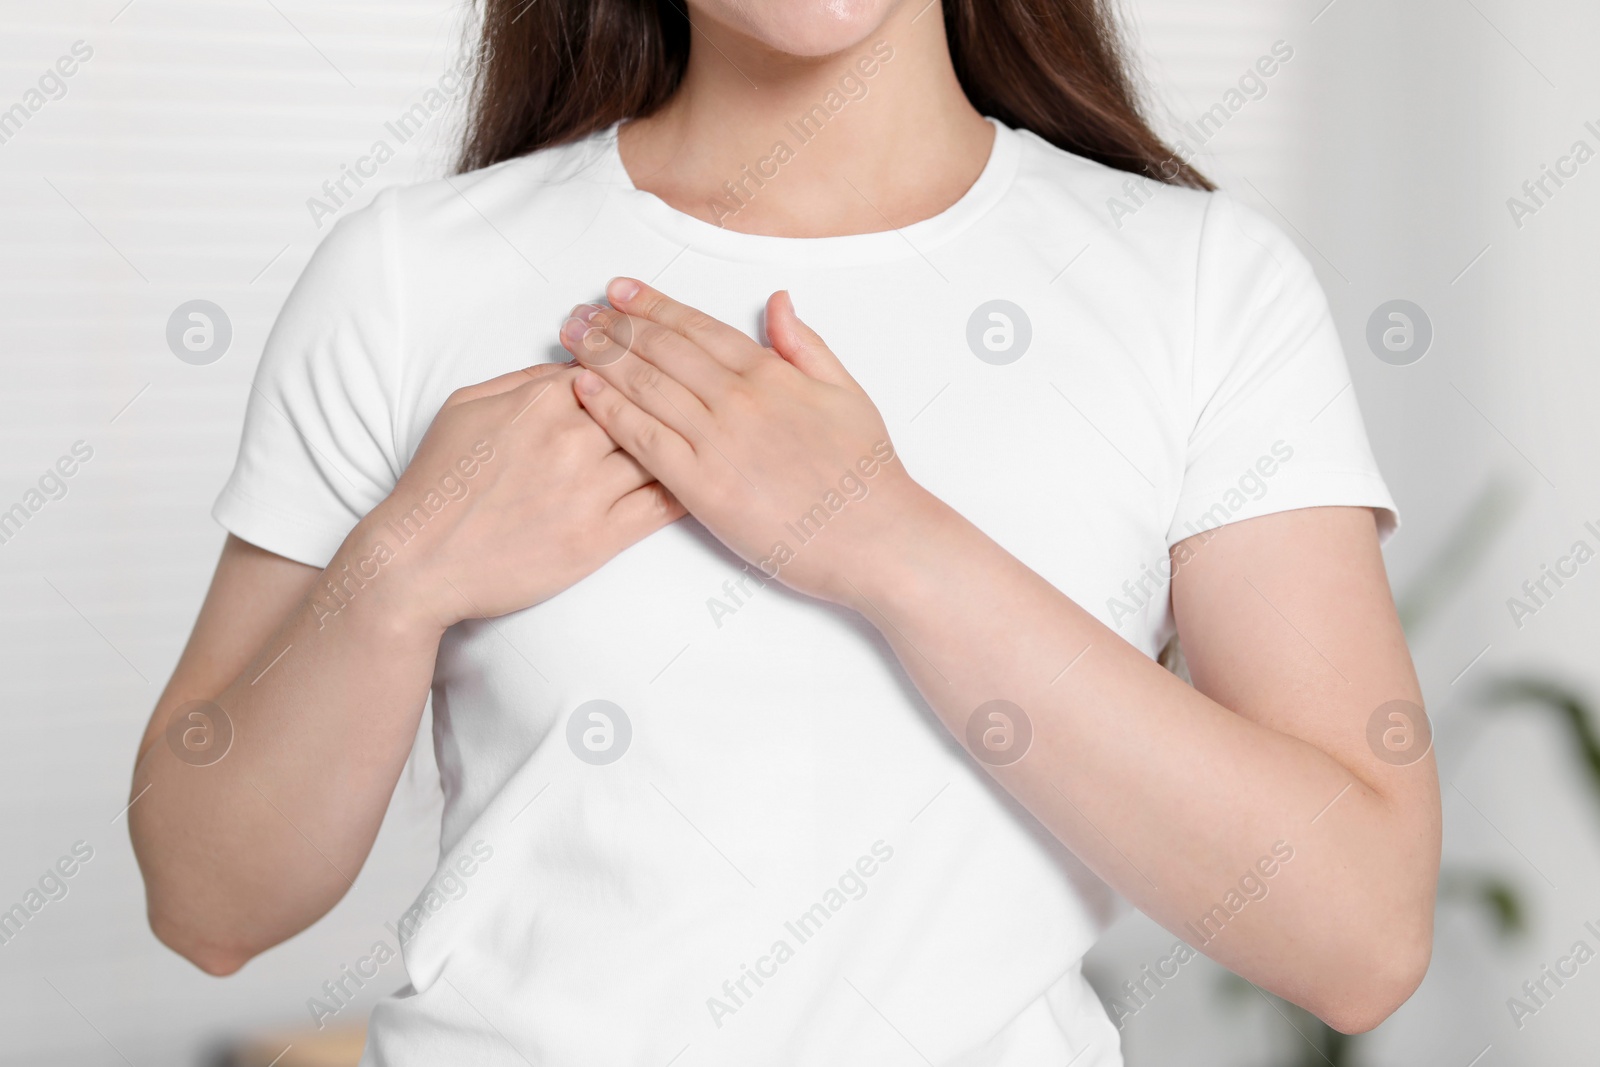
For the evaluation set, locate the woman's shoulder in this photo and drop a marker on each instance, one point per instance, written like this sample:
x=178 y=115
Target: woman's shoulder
x=540 y=176
x=509 y=204
x=1171 y=229
x=1056 y=174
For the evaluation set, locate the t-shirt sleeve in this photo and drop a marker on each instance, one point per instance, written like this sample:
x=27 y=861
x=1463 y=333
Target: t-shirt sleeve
x=1275 y=425
x=318 y=447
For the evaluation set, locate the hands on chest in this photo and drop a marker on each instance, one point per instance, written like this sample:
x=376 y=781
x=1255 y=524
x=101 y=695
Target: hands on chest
x=666 y=411
x=777 y=450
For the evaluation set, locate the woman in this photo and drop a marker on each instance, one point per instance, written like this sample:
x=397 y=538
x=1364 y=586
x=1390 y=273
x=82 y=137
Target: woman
x=798 y=702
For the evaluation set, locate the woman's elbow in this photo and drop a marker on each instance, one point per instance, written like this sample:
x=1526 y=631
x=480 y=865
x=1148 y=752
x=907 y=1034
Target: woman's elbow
x=215 y=957
x=1379 y=983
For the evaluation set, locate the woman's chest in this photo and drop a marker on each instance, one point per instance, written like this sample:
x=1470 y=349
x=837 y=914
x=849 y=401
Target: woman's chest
x=1052 y=420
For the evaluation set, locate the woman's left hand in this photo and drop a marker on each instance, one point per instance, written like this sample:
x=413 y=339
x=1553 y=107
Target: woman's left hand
x=778 y=451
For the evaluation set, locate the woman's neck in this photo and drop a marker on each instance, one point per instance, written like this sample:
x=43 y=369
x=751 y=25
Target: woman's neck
x=873 y=138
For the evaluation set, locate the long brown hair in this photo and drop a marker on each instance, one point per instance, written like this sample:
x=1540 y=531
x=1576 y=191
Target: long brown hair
x=553 y=71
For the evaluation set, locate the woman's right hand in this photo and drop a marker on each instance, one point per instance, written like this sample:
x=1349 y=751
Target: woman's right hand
x=514 y=494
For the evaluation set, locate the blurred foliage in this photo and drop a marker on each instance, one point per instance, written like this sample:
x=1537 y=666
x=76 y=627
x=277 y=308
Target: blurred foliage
x=1493 y=893
x=1323 y=1044
x=1570 y=708
x=1448 y=569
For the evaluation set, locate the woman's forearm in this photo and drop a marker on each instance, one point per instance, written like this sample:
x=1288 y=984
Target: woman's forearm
x=1172 y=798
x=512 y=496
x=241 y=853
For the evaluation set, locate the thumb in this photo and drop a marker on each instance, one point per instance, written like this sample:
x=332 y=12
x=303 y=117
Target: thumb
x=799 y=344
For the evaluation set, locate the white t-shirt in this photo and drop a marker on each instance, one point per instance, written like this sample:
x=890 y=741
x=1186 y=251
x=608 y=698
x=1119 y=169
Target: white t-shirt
x=791 y=861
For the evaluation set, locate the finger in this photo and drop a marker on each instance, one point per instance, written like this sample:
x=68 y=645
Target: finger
x=657 y=447
x=644 y=511
x=669 y=351
x=644 y=384
x=506 y=382
x=547 y=393
x=729 y=346
x=800 y=344
x=619 y=473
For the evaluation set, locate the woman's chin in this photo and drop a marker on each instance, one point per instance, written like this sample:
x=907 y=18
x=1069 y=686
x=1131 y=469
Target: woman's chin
x=805 y=28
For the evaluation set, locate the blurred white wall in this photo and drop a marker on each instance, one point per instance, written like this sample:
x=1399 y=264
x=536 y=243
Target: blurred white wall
x=178 y=165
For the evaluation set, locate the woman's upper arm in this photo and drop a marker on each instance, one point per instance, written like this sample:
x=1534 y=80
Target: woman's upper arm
x=252 y=593
x=1287 y=620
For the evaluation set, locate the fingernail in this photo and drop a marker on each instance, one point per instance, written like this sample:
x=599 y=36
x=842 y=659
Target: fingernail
x=588 y=382
x=586 y=312
x=622 y=289
x=573 y=330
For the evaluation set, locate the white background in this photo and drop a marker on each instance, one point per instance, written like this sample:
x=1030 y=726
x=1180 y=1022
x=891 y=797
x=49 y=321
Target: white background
x=178 y=165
